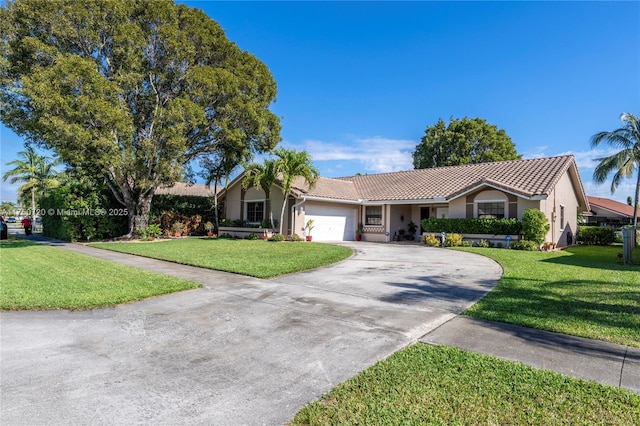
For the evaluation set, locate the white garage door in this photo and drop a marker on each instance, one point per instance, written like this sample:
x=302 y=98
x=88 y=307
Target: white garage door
x=332 y=223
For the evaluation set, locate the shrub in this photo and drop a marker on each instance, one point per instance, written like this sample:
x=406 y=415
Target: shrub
x=453 y=240
x=252 y=236
x=473 y=226
x=151 y=231
x=432 y=240
x=226 y=235
x=183 y=204
x=466 y=244
x=295 y=237
x=596 y=235
x=525 y=245
x=534 y=225
x=499 y=245
x=277 y=237
x=82 y=210
x=483 y=243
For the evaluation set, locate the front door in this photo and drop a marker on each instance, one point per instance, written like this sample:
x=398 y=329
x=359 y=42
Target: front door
x=424 y=214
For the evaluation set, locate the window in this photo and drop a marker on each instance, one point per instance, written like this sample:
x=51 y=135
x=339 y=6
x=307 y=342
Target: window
x=491 y=210
x=561 y=217
x=373 y=215
x=255 y=211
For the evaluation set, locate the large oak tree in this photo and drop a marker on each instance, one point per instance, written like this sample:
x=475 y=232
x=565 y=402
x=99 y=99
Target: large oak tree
x=131 y=90
x=463 y=141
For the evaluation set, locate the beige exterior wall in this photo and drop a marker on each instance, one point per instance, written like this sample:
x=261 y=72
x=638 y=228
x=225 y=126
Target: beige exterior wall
x=399 y=218
x=457 y=209
x=233 y=202
x=528 y=204
x=563 y=195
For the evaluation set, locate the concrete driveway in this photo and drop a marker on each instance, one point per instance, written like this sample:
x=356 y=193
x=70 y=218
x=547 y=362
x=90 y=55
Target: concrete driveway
x=238 y=351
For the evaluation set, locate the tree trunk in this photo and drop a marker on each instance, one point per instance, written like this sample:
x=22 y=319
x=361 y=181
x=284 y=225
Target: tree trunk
x=143 y=210
x=33 y=203
x=267 y=202
x=138 y=214
x=284 y=207
x=215 y=207
x=635 y=206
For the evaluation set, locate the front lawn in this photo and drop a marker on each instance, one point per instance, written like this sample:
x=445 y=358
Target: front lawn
x=582 y=291
x=425 y=384
x=261 y=259
x=36 y=276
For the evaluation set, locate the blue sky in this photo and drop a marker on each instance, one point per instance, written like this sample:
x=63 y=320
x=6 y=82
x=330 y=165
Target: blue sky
x=358 y=82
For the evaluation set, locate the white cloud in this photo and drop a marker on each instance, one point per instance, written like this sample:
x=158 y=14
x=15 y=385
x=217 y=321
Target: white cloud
x=376 y=154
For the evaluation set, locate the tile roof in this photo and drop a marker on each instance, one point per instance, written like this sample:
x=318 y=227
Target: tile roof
x=186 y=189
x=527 y=178
x=614 y=206
x=328 y=188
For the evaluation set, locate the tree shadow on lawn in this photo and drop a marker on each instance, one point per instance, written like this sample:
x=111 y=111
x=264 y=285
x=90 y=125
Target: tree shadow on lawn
x=557 y=308
x=607 y=258
x=16 y=244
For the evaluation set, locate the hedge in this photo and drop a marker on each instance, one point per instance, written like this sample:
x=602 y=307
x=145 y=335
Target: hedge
x=596 y=235
x=473 y=226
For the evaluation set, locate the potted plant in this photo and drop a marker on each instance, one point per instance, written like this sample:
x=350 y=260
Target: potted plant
x=308 y=227
x=412 y=228
x=359 y=231
x=209 y=227
x=177 y=228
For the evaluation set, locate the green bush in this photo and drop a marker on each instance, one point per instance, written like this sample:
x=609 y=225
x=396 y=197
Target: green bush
x=252 y=236
x=152 y=231
x=277 y=237
x=525 y=245
x=295 y=237
x=183 y=204
x=473 y=226
x=483 y=243
x=82 y=210
x=596 y=235
x=535 y=226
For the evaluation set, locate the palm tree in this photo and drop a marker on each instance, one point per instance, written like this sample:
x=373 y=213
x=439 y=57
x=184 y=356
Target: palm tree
x=291 y=164
x=262 y=176
x=625 y=162
x=215 y=168
x=36 y=171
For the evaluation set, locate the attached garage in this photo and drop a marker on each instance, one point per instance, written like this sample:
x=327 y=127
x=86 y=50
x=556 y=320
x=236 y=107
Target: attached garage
x=332 y=223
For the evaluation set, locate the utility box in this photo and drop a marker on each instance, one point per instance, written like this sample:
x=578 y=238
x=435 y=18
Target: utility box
x=628 y=243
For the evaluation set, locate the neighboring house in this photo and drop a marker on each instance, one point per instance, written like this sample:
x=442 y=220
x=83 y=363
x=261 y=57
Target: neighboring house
x=183 y=189
x=385 y=203
x=606 y=212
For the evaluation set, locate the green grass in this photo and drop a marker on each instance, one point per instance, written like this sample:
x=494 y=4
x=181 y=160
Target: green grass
x=582 y=291
x=261 y=259
x=35 y=276
x=425 y=384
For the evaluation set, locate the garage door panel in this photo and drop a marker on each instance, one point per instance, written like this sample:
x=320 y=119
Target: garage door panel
x=332 y=223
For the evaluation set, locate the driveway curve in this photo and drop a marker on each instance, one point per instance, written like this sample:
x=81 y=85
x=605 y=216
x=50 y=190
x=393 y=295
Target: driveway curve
x=237 y=351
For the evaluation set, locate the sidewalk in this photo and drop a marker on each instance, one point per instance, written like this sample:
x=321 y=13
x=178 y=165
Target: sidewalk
x=588 y=359
x=602 y=362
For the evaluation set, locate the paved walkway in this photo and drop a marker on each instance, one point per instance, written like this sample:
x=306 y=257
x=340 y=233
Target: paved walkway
x=249 y=351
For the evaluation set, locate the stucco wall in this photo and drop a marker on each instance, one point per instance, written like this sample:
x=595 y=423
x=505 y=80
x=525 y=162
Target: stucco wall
x=562 y=195
x=233 y=202
x=458 y=208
